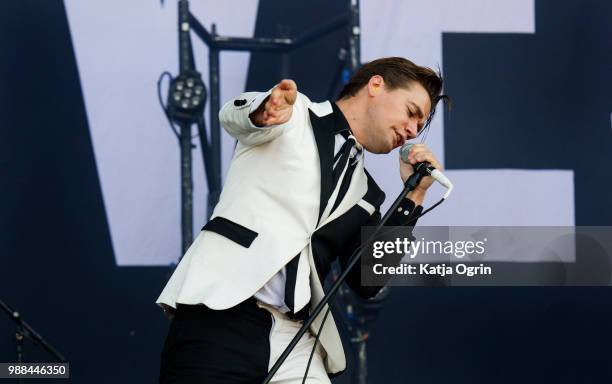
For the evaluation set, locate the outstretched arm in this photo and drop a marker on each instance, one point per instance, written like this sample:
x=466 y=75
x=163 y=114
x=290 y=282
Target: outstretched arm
x=254 y=118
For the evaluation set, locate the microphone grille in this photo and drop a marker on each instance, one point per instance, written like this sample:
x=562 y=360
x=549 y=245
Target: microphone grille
x=404 y=151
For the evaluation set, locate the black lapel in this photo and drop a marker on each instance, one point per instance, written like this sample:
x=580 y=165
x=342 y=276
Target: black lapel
x=323 y=128
x=374 y=195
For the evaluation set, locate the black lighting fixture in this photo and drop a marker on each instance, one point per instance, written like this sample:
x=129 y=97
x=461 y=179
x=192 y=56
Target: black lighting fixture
x=186 y=97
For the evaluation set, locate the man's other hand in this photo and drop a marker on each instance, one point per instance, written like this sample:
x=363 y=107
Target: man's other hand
x=278 y=107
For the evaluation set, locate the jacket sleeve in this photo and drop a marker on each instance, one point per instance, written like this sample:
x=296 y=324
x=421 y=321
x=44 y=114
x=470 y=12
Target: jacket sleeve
x=234 y=116
x=403 y=216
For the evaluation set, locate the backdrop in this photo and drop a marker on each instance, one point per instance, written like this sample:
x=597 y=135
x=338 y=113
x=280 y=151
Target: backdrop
x=90 y=208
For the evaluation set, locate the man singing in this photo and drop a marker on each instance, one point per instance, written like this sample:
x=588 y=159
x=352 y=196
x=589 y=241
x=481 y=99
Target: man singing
x=294 y=201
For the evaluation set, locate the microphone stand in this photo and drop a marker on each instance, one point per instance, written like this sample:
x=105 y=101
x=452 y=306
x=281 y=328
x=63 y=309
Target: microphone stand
x=25 y=330
x=409 y=185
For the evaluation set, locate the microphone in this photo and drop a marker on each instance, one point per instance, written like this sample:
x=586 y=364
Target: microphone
x=426 y=169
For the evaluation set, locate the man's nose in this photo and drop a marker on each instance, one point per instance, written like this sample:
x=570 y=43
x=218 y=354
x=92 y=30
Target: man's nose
x=411 y=129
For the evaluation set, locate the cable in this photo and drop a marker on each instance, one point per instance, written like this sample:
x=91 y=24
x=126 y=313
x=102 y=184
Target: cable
x=428 y=209
x=315 y=342
x=161 y=102
x=329 y=304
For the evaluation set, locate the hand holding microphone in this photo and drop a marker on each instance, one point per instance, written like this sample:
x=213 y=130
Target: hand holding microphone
x=418 y=158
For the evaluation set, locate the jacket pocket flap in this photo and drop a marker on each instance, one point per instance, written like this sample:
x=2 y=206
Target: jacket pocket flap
x=233 y=231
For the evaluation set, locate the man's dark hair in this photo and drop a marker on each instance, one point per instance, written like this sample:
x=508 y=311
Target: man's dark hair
x=397 y=73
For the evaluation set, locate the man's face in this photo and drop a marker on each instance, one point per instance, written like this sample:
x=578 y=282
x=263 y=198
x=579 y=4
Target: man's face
x=394 y=116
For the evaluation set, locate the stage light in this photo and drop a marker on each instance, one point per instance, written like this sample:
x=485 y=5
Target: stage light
x=186 y=103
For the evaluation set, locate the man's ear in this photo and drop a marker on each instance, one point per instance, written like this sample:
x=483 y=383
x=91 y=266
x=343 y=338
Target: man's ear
x=375 y=85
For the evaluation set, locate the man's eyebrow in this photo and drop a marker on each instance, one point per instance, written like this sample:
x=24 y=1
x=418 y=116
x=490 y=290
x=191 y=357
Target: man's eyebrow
x=419 y=112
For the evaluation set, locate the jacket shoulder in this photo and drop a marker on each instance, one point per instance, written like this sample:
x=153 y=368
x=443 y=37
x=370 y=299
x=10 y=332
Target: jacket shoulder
x=320 y=109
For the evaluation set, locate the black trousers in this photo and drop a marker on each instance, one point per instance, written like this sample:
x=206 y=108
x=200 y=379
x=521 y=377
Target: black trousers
x=217 y=347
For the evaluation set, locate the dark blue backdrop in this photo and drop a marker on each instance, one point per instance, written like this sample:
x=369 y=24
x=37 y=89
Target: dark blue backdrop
x=523 y=101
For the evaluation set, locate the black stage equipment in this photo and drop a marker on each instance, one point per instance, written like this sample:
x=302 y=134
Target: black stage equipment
x=23 y=331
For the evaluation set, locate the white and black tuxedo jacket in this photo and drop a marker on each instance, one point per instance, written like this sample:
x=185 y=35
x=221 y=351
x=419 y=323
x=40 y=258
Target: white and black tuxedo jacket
x=275 y=204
